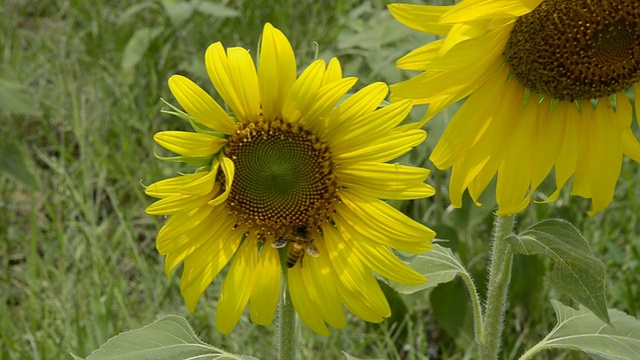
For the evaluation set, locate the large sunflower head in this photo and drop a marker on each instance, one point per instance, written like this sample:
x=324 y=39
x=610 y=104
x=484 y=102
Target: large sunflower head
x=292 y=182
x=547 y=85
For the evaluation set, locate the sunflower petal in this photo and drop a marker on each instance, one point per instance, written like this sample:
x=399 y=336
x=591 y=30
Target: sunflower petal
x=421 y=18
x=301 y=97
x=276 y=71
x=200 y=268
x=353 y=276
x=189 y=144
x=236 y=289
x=266 y=291
x=303 y=303
x=228 y=168
x=200 y=105
x=200 y=183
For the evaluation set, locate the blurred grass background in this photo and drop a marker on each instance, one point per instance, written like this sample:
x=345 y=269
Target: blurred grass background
x=80 y=89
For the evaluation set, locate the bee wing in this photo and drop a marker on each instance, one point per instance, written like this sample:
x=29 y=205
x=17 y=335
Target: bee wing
x=280 y=243
x=313 y=250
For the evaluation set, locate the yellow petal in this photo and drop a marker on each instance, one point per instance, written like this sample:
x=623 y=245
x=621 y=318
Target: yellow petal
x=355 y=107
x=193 y=184
x=371 y=127
x=316 y=119
x=201 y=267
x=354 y=277
x=188 y=244
x=548 y=141
x=236 y=288
x=329 y=309
x=234 y=77
x=301 y=97
x=192 y=227
x=514 y=174
x=606 y=164
x=188 y=143
x=582 y=178
x=441 y=85
x=318 y=272
x=470 y=122
x=179 y=224
x=373 y=216
x=382 y=261
x=229 y=172
x=567 y=157
x=303 y=304
x=386 y=148
x=420 y=58
x=630 y=144
x=385 y=181
x=420 y=17
x=276 y=71
x=177 y=203
x=200 y=105
x=333 y=73
x=266 y=290
x=476 y=10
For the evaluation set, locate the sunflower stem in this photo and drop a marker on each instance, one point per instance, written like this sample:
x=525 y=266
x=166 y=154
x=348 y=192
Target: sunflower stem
x=499 y=278
x=287 y=333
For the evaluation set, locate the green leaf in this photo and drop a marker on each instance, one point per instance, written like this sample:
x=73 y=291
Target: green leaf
x=577 y=273
x=166 y=339
x=15 y=98
x=439 y=265
x=178 y=11
x=583 y=331
x=214 y=9
x=137 y=47
x=450 y=305
x=16 y=162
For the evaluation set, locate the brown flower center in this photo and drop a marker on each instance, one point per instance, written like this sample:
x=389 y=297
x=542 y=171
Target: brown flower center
x=283 y=178
x=577 y=49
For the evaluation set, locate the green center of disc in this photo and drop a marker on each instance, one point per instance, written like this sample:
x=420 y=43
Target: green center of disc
x=283 y=177
x=577 y=49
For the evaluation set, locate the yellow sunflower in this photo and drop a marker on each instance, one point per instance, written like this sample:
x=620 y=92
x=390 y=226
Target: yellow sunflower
x=548 y=85
x=292 y=182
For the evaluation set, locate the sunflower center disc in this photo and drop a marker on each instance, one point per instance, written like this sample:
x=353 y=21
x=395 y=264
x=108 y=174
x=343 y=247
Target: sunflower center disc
x=577 y=49
x=283 y=178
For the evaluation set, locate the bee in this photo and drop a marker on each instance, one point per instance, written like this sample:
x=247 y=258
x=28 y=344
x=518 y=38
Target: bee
x=298 y=245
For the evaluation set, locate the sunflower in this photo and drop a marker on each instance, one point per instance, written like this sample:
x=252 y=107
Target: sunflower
x=548 y=86
x=292 y=183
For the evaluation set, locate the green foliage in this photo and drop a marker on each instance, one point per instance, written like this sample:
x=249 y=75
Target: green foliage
x=169 y=338
x=581 y=330
x=15 y=162
x=15 y=98
x=78 y=263
x=577 y=272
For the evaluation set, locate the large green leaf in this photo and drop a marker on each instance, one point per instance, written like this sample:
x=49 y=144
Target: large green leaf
x=450 y=305
x=577 y=273
x=15 y=161
x=170 y=338
x=583 y=331
x=439 y=265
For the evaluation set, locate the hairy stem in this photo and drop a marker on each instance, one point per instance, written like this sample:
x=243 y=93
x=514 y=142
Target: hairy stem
x=287 y=332
x=499 y=278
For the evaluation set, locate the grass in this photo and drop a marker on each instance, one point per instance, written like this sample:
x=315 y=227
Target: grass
x=78 y=262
